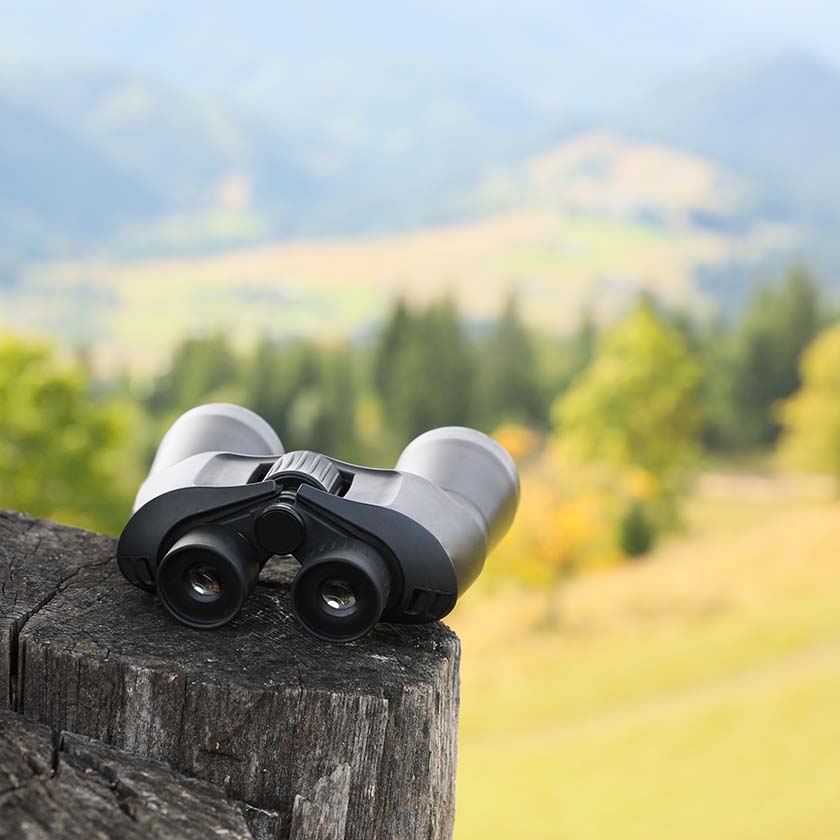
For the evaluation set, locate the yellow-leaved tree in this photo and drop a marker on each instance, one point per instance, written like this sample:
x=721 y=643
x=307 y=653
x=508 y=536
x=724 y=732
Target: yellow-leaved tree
x=635 y=415
x=811 y=417
x=560 y=525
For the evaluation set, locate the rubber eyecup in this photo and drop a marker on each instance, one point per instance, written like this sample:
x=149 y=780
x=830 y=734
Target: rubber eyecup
x=207 y=575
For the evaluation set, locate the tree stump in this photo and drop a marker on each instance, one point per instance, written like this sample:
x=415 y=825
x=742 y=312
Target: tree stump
x=77 y=789
x=311 y=740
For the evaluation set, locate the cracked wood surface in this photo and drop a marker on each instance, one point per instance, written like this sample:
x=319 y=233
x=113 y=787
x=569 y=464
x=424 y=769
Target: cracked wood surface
x=324 y=816
x=258 y=708
x=73 y=787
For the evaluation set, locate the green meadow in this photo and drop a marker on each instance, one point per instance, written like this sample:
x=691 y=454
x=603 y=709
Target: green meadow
x=691 y=695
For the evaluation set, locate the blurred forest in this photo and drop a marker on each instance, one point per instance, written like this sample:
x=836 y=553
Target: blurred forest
x=608 y=424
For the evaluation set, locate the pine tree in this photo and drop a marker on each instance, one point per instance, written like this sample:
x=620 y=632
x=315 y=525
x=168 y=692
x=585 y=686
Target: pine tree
x=424 y=370
x=777 y=326
x=202 y=369
x=510 y=381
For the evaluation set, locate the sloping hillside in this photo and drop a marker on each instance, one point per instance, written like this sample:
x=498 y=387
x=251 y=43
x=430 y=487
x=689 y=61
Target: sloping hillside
x=586 y=226
x=776 y=122
x=605 y=174
x=159 y=167
x=56 y=188
x=93 y=141
x=692 y=695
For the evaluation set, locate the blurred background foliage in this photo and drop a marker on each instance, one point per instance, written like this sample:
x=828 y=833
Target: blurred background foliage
x=604 y=233
x=611 y=422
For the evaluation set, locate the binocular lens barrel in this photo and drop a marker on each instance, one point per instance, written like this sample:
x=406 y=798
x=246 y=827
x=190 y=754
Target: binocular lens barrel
x=216 y=427
x=473 y=468
x=206 y=576
x=340 y=594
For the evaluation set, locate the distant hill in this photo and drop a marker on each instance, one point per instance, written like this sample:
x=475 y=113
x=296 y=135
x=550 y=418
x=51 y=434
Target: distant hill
x=606 y=175
x=356 y=117
x=625 y=181
x=181 y=146
x=581 y=227
x=57 y=188
x=106 y=162
x=109 y=140
x=216 y=174
x=776 y=123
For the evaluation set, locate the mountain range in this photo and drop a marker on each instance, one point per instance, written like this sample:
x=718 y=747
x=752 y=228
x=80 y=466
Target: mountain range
x=777 y=123
x=85 y=156
x=144 y=128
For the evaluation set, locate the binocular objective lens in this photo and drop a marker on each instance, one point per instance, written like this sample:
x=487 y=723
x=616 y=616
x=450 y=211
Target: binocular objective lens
x=338 y=595
x=204 y=582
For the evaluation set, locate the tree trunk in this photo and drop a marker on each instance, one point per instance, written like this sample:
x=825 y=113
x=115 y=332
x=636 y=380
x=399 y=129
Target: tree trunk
x=311 y=740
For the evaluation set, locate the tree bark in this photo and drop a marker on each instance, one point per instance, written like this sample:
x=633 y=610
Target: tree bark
x=73 y=787
x=352 y=741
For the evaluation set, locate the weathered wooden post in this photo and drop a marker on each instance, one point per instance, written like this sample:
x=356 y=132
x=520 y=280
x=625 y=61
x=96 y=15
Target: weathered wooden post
x=303 y=739
x=75 y=787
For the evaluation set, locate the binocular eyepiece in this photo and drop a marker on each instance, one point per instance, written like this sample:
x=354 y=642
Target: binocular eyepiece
x=401 y=545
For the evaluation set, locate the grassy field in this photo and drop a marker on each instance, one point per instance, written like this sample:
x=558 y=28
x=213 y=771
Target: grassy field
x=135 y=310
x=694 y=695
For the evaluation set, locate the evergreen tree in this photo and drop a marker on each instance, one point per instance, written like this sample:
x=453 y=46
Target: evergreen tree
x=583 y=345
x=777 y=326
x=266 y=382
x=722 y=427
x=307 y=392
x=322 y=411
x=425 y=371
x=636 y=532
x=573 y=355
x=201 y=370
x=510 y=382
x=393 y=336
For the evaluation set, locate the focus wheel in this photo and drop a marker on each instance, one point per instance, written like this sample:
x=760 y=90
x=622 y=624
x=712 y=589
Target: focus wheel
x=304 y=467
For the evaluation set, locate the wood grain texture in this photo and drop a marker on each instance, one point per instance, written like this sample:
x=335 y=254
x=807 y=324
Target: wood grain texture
x=37 y=560
x=258 y=708
x=73 y=787
x=324 y=816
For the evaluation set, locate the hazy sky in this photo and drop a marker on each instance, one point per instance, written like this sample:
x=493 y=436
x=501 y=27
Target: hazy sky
x=555 y=56
x=808 y=24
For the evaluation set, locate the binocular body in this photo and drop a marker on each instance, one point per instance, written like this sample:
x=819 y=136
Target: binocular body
x=399 y=545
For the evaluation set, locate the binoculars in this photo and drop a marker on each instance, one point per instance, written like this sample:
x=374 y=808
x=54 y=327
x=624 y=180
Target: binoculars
x=222 y=497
